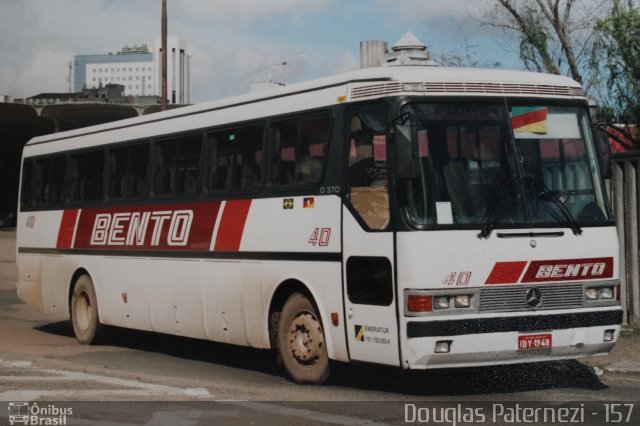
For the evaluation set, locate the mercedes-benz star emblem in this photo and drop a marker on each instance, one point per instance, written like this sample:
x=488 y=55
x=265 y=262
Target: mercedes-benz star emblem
x=533 y=298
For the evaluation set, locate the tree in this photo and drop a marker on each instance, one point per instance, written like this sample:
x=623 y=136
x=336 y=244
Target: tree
x=554 y=36
x=598 y=45
x=470 y=59
x=616 y=61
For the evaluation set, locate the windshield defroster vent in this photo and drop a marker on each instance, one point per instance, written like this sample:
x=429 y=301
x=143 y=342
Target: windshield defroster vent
x=381 y=89
x=499 y=89
x=375 y=90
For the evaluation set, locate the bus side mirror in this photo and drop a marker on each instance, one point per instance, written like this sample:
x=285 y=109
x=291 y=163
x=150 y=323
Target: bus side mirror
x=407 y=162
x=603 y=151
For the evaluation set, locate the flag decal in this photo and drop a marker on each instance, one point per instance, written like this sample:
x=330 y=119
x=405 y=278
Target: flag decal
x=529 y=119
x=308 y=203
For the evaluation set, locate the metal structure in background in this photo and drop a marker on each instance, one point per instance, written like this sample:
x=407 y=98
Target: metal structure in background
x=164 y=57
x=625 y=205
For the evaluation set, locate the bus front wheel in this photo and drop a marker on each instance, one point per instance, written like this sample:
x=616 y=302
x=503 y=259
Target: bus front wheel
x=302 y=342
x=84 y=312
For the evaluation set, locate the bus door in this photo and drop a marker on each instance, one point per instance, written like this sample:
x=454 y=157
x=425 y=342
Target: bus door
x=368 y=260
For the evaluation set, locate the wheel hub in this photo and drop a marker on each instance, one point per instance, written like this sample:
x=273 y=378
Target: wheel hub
x=306 y=339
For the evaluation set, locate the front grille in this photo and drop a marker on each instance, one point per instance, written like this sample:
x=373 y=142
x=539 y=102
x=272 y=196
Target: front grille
x=513 y=298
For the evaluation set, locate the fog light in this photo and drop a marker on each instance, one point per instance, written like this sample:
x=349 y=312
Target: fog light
x=608 y=335
x=591 y=293
x=441 y=302
x=463 y=301
x=443 y=347
x=606 y=292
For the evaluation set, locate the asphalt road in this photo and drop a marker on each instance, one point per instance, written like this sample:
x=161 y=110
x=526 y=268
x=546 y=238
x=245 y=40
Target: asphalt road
x=176 y=380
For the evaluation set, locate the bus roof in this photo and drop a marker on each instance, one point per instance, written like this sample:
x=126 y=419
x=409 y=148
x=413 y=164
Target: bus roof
x=371 y=83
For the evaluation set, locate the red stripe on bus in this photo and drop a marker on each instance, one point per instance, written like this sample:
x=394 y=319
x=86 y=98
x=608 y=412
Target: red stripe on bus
x=232 y=224
x=67 y=226
x=185 y=226
x=506 y=272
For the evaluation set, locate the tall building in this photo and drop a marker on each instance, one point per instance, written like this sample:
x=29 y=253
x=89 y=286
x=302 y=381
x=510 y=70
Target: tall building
x=138 y=69
x=178 y=70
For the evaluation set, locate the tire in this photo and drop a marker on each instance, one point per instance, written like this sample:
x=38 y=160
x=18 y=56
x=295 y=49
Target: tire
x=84 y=312
x=301 y=341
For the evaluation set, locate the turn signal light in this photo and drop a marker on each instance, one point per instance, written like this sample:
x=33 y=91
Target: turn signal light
x=419 y=303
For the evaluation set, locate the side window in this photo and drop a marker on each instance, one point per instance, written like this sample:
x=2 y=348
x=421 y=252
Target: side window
x=26 y=199
x=46 y=181
x=128 y=171
x=367 y=168
x=235 y=159
x=118 y=159
x=369 y=280
x=247 y=165
x=299 y=148
x=86 y=176
x=220 y=161
x=53 y=192
x=178 y=165
x=138 y=177
x=39 y=180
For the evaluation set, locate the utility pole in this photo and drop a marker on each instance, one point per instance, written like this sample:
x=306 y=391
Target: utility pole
x=69 y=75
x=163 y=103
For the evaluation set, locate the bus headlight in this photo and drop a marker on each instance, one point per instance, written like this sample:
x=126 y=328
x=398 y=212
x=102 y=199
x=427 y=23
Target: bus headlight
x=600 y=293
x=591 y=293
x=605 y=292
x=419 y=302
x=463 y=301
x=441 y=302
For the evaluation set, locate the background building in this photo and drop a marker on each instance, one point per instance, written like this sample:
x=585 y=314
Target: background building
x=131 y=67
x=409 y=50
x=178 y=70
x=137 y=69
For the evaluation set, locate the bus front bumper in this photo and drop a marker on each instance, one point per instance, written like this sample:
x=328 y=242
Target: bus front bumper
x=510 y=339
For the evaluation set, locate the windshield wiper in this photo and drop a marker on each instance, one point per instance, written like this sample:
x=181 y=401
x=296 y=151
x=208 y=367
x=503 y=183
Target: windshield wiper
x=548 y=195
x=493 y=213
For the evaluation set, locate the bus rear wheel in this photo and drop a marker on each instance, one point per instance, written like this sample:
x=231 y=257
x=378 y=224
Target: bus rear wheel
x=84 y=312
x=301 y=341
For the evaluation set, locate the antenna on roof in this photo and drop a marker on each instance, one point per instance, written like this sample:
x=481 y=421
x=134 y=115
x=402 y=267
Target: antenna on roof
x=284 y=65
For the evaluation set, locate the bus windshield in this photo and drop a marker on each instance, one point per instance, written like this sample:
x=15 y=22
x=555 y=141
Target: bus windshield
x=523 y=165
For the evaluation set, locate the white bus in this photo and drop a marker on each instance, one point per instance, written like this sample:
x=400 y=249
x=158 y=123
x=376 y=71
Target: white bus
x=418 y=217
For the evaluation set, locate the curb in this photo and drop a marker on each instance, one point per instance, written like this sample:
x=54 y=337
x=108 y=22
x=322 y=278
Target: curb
x=623 y=367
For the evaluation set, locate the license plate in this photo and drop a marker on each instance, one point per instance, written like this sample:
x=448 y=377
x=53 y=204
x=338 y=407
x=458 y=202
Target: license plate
x=534 y=341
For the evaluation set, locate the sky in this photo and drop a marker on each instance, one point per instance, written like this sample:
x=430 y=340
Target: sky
x=234 y=42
